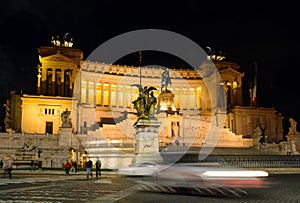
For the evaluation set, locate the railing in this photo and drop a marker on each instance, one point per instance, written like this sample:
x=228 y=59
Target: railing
x=251 y=161
x=25 y=163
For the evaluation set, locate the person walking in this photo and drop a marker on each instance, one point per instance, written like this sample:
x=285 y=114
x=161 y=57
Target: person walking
x=31 y=166
x=89 y=166
x=67 y=167
x=74 y=166
x=40 y=166
x=98 y=168
x=7 y=166
x=1 y=164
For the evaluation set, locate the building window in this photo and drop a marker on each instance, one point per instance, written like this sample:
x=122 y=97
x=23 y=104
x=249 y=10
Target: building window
x=83 y=91
x=49 y=111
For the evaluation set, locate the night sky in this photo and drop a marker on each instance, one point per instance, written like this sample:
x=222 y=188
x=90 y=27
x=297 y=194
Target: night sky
x=247 y=33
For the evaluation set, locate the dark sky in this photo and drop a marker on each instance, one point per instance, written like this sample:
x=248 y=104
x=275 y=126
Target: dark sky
x=247 y=33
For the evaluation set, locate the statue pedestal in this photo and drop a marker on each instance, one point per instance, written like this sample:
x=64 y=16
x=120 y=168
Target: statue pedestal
x=65 y=137
x=147 y=148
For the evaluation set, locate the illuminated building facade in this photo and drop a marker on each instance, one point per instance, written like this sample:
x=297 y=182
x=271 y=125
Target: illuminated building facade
x=100 y=97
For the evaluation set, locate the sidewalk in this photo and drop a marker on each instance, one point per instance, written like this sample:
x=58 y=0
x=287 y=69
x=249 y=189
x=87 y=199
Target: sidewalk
x=59 y=172
x=114 y=173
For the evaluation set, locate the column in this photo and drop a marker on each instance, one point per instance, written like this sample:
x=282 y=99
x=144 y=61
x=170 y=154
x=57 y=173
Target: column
x=181 y=99
x=109 y=96
x=53 y=81
x=131 y=93
x=117 y=96
x=199 y=97
x=39 y=76
x=204 y=98
x=188 y=98
x=95 y=92
x=44 y=81
x=124 y=96
x=195 y=99
x=102 y=94
x=62 y=80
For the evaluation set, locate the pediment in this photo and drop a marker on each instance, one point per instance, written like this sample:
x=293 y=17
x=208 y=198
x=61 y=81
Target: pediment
x=231 y=71
x=58 y=57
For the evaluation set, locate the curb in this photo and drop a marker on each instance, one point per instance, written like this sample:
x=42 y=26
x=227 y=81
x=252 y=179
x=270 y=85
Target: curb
x=281 y=170
x=57 y=172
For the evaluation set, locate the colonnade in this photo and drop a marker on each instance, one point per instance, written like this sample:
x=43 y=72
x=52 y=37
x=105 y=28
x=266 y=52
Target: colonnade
x=120 y=96
x=55 y=81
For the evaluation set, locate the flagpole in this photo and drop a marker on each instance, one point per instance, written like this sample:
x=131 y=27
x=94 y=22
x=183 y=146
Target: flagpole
x=140 y=59
x=254 y=97
x=251 y=94
x=258 y=124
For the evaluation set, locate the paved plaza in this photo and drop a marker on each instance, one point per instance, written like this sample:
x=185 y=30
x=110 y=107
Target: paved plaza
x=55 y=186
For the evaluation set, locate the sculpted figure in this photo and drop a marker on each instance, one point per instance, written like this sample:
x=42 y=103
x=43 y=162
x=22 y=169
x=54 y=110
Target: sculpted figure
x=165 y=79
x=152 y=103
x=293 y=128
x=65 y=118
x=145 y=103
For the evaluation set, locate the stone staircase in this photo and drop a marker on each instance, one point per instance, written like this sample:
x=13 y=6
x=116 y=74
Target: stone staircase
x=230 y=139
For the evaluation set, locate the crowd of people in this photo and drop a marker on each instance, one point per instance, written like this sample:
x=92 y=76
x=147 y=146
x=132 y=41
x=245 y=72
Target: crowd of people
x=6 y=167
x=72 y=167
x=89 y=168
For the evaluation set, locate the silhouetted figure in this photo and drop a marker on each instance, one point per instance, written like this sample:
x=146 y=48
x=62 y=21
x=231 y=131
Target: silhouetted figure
x=67 y=167
x=263 y=136
x=7 y=166
x=31 y=166
x=98 y=168
x=74 y=163
x=89 y=166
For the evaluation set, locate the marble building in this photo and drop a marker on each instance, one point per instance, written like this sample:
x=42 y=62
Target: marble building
x=99 y=97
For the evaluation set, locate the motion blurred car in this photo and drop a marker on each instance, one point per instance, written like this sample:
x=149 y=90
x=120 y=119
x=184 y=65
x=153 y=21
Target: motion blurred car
x=143 y=169
x=196 y=178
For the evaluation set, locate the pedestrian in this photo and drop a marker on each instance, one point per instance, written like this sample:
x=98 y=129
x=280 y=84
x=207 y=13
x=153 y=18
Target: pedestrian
x=40 y=166
x=75 y=166
x=1 y=164
x=98 y=168
x=89 y=166
x=7 y=166
x=31 y=166
x=67 y=167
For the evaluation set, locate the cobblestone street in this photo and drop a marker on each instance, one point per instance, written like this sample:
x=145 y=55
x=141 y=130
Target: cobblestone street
x=38 y=187
x=56 y=187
